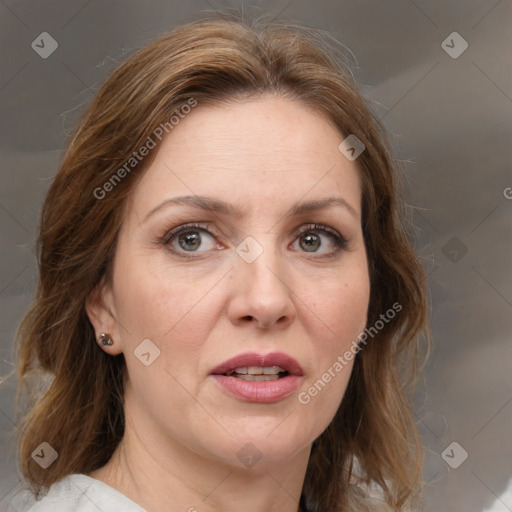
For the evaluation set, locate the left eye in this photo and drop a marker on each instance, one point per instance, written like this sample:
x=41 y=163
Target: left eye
x=310 y=240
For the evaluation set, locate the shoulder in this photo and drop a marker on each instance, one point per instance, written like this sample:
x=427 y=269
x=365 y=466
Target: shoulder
x=368 y=496
x=76 y=493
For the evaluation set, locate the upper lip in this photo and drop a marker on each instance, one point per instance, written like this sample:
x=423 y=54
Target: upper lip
x=281 y=359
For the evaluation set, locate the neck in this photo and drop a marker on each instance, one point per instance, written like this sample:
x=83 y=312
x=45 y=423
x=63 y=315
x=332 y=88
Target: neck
x=161 y=474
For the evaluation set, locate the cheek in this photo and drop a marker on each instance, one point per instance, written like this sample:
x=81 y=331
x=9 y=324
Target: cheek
x=155 y=300
x=335 y=318
x=172 y=309
x=338 y=309
x=156 y=303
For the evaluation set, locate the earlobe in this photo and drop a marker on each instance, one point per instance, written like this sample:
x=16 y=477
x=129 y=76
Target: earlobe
x=105 y=339
x=102 y=317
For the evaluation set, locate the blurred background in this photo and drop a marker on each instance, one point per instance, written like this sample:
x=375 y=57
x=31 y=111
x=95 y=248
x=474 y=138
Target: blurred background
x=437 y=73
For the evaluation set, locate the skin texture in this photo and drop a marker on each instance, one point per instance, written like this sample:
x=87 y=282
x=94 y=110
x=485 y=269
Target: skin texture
x=183 y=432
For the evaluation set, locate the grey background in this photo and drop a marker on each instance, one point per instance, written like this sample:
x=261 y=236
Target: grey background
x=450 y=123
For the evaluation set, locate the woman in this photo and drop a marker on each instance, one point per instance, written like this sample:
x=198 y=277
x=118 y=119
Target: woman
x=226 y=294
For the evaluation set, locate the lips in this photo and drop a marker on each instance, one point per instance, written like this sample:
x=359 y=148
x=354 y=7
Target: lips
x=253 y=377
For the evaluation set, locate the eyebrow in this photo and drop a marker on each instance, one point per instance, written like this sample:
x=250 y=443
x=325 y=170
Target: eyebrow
x=214 y=205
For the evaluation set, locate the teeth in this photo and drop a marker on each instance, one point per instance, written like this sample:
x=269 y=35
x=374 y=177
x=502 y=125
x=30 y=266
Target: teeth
x=259 y=370
x=257 y=373
x=257 y=378
x=273 y=370
x=253 y=371
x=267 y=370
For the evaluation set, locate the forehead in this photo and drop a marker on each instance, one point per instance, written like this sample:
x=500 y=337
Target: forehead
x=269 y=149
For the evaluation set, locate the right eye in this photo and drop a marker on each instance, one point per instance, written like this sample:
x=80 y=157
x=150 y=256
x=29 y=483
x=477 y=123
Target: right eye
x=191 y=238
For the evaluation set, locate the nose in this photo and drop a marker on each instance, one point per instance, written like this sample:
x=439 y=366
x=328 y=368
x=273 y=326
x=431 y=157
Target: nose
x=261 y=293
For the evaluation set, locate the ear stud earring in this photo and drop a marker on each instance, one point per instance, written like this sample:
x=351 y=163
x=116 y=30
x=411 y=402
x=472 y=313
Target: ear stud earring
x=105 y=339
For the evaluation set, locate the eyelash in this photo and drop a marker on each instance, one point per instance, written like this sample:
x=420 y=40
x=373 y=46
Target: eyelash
x=339 y=240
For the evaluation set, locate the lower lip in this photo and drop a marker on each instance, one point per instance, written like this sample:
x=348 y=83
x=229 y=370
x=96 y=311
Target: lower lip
x=263 y=392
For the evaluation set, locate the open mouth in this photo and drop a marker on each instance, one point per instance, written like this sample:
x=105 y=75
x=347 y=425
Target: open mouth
x=248 y=377
x=258 y=373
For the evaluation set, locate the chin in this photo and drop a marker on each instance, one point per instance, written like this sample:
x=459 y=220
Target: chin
x=261 y=443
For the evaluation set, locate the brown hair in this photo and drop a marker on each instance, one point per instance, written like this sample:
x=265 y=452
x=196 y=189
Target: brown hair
x=217 y=59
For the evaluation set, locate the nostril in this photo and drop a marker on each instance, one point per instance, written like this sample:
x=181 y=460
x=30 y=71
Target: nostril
x=250 y=318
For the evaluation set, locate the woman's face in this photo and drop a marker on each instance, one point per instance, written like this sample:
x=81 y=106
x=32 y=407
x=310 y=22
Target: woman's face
x=253 y=278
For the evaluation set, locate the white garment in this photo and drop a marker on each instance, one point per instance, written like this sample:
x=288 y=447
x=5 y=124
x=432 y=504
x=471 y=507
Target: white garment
x=504 y=502
x=76 y=493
